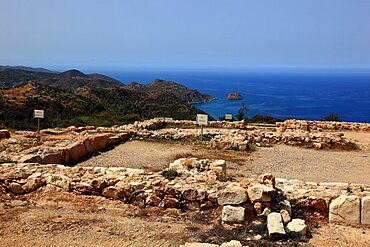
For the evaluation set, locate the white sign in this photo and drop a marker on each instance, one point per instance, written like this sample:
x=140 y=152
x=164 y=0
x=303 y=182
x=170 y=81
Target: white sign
x=38 y=113
x=228 y=116
x=202 y=119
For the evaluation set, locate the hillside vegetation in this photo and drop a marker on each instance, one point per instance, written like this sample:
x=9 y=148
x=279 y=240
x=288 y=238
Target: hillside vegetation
x=74 y=98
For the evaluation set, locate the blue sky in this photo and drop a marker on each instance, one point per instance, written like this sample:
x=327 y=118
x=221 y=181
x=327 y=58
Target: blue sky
x=118 y=34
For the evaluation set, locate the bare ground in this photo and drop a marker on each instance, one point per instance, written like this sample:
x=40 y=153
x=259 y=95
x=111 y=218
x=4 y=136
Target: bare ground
x=281 y=160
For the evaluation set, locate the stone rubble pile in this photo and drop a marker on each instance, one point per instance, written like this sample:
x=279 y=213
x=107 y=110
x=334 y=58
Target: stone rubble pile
x=303 y=125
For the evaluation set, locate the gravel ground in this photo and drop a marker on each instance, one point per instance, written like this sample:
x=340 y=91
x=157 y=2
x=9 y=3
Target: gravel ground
x=281 y=160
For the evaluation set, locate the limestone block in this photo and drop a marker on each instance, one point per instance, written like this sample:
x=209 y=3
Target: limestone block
x=297 y=228
x=345 y=209
x=275 y=225
x=232 y=195
x=231 y=214
x=365 y=210
x=261 y=193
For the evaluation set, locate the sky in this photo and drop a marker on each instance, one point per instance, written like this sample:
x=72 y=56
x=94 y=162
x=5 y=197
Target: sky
x=114 y=34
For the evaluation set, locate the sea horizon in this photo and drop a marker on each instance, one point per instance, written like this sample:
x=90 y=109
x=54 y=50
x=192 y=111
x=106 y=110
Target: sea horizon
x=309 y=95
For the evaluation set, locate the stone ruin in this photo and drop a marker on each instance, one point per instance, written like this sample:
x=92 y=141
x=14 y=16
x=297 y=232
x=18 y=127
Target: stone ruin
x=30 y=161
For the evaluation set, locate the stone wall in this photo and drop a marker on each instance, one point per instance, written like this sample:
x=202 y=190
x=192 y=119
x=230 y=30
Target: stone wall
x=303 y=125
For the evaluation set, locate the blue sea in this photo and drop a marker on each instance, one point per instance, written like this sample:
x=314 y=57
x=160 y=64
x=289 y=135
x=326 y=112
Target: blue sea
x=310 y=95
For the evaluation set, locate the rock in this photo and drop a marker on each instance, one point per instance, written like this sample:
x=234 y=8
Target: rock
x=234 y=96
x=52 y=158
x=345 y=209
x=84 y=188
x=258 y=207
x=218 y=166
x=192 y=206
x=231 y=214
x=99 y=184
x=297 y=228
x=232 y=243
x=285 y=216
x=261 y=193
x=112 y=192
x=153 y=200
x=267 y=179
x=96 y=142
x=16 y=188
x=365 y=210
x=199 y=245
x=30 y=158
x=190 y=194
x=285 y=205
x=60 y=181
x=266 y=211
x=4 y=134
x=33 y=183
x=232 y=195
x=169 y=202
x=77 y=151
x=275 y=225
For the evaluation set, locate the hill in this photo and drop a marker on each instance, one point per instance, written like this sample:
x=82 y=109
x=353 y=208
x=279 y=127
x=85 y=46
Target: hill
x=180 y=91
x=86 y=106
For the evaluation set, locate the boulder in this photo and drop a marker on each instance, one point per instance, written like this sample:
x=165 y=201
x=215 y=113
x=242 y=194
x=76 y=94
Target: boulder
x=84 y=188
x=345 y=209
x=33 y=183
x=232 y=195
x=297 y=228
x=77 y=151
x=275 y=225
x=4 y=134
x=261 y=193
x=16 y=188
x=231 y=214
x=169 y=202
x=112 y=192
x=365 y=210
x=153 y=200
x=232 y=243
x=96 y=142
x=60 y=181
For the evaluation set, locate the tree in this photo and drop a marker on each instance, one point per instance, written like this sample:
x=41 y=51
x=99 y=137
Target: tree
x=242 y=112
x=332 y=117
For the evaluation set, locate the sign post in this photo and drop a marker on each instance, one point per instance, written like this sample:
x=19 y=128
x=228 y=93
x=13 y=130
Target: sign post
x=228 y=116
x=38 y=114
x=202 y=120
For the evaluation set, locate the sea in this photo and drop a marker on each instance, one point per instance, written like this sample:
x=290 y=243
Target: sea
x=310 y=95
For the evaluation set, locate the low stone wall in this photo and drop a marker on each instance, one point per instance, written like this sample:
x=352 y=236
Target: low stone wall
x=193 y=184
x=303 y=125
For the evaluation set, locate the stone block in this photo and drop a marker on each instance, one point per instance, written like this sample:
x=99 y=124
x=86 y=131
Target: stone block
x=345 y=209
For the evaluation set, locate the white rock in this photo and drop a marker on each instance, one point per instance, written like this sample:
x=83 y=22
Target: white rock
x=232 y=195
x=60 y=181
x=231 y=214
x=261 y=193
x=345 y=209
x=365 y=210
x=297 y=228
x=275 y=225
x=232 y=243
x=285 y=216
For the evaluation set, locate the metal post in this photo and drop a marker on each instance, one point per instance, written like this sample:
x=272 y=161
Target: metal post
x=38 y=124
x=201 y=133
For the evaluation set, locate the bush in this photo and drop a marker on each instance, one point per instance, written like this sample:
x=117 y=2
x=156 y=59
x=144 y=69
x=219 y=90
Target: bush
x=332 y=117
